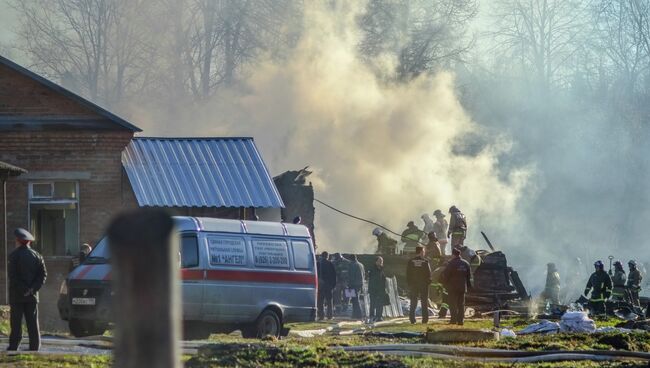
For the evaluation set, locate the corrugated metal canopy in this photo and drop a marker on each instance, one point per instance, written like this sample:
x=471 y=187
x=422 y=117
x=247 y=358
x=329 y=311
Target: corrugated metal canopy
x=199 y=172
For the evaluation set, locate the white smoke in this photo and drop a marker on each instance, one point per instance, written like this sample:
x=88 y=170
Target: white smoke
x=386 y=151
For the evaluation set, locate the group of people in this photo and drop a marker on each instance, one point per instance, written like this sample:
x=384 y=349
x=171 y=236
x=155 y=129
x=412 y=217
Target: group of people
x=342 y=280
x=615 y=285
x=434 y=235
x=456 y=278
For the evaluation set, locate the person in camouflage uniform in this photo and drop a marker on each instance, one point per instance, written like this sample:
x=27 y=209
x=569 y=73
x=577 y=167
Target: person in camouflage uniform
x=634 y=283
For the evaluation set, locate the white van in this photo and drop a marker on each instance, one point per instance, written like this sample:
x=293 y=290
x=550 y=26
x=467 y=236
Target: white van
x=251 y=276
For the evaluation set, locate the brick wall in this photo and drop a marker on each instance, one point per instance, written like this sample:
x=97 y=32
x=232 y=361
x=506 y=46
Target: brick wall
x=22 y=96
x=96 y=156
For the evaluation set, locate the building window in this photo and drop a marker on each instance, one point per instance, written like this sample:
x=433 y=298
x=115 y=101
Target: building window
x=54 y=217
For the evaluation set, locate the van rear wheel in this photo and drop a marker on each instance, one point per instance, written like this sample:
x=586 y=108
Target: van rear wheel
x=267 y=324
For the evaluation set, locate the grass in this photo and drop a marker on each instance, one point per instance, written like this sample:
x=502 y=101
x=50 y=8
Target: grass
x=35 y=361
x=290 y=355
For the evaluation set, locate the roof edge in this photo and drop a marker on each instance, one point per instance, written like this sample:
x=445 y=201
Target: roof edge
x=58 y=88
x=191 y=138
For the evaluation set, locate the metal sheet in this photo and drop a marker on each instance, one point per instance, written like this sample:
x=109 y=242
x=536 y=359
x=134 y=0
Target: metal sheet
x=199 y=172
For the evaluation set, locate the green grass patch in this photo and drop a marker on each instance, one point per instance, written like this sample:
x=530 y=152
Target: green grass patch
x=37 y=360
x=281 y=355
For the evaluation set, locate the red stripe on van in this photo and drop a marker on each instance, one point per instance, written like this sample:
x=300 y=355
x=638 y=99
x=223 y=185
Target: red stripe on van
x=84 y=272
x=192 y=274
x=251 y=276
x=107 y=277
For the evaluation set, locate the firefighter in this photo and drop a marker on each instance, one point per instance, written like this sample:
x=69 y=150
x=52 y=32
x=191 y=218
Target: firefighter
x=457 y=227
x=418 y=277
x=433 y=250
x=342 y=267
x=470 y=256
x=552 y=289
x=428 y=225
x=440 y=227
x=457 y=278
x=26 y=271
x=600 y=285
x=385 y=244
x=618 y=281
x=634 y=283
x=411 y=237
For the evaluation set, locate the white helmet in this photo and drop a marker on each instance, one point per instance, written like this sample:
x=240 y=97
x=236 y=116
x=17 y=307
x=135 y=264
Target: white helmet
x=377 y=232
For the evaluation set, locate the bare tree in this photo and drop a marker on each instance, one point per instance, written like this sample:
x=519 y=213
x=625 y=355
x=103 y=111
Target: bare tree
x=544 y=35
x=621 y=36
x=214 y=40
x=92 y=46
x=423 y=34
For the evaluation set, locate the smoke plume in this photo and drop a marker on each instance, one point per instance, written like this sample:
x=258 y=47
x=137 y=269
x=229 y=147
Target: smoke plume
x=386 y=151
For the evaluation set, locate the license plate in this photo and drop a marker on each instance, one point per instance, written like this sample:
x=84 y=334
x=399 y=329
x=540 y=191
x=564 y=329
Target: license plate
x=83 y=301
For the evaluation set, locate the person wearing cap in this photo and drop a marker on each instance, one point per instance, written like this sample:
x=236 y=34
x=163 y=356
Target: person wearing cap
x=26 y=271
x=634 y=283
x=618 y=282
x=385 y=244
x=440 y=228
x=457 y=227
x=552 y=288
x=600 y=285
x=418 y=278
x=457 y=278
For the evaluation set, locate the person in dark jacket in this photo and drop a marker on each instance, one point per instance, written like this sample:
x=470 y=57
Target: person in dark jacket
x=457 y=278
x=26 y=271
x=418 y=278
x=356 y=278
x=634 y=282
x=377 y=289
x=457 y=227
x=326 y=283
x=600 y=285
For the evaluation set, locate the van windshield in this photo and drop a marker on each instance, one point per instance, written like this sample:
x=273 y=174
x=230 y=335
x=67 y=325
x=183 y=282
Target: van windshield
x=100 y=254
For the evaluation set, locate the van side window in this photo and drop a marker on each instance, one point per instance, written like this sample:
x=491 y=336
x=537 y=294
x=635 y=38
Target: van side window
x=302 y=258
x=227 y=251
x=271 y=253
x=189 y=251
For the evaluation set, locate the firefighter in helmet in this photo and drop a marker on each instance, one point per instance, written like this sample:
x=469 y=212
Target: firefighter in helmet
x=600 y=285
x=634 y=283
x=618 y=280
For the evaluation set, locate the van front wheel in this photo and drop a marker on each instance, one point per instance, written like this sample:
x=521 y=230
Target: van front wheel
x=267 y=324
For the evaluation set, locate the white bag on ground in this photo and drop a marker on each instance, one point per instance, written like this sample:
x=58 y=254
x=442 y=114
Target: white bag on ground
x=542 y=327
x=507 y=333
x=577 y=322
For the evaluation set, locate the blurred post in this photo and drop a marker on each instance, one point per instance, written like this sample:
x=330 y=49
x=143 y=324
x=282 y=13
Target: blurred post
x=145 y=280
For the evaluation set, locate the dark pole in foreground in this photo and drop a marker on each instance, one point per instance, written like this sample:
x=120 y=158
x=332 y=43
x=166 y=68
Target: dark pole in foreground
x=145 y=280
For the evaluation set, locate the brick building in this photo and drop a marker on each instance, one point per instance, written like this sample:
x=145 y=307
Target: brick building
x=84 y=166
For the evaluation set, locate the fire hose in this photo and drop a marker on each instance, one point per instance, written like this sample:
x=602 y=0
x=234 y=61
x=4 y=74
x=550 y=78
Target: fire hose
x=511 y=356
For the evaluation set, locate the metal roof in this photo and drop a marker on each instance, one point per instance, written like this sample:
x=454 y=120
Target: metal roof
x=199 y=172
x=73 y=96
x=11 y=170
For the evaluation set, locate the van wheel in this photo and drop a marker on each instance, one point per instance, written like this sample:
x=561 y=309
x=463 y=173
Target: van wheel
x=268 y=324
x=83 y=328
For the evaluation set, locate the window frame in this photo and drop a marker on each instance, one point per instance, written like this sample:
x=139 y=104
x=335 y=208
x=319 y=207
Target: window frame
x=39 y=200
x=198 y=252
